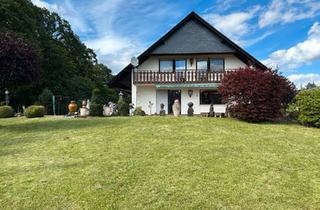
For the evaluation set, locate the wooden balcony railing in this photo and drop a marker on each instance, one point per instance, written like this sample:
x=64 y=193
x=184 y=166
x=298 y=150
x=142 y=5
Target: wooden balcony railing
x=188 y=76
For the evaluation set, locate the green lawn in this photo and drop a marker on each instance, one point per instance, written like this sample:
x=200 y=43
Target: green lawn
x=158 y=163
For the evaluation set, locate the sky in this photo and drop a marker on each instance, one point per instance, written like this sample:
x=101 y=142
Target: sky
x=283 y=34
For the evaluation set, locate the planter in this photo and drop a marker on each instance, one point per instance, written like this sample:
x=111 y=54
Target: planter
x=72 y=107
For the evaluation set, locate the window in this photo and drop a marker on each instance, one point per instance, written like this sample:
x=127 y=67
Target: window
x=210 y=97
x=166 y=65
x=180 y=65
x=216 y=64
x=202 y=65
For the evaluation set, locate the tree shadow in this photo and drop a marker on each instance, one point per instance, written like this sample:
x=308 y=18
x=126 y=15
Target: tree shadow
x=18 y=170
x=59 y=124
x=18 y=130
x=8 y=152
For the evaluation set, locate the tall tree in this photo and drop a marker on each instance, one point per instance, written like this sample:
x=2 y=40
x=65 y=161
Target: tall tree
x=67 y=66
x=19 y=61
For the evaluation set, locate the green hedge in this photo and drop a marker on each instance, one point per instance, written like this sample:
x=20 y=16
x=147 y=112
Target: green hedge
x=34 y=111
x=6 y=111
x=306 y=107
x=123 y=107
x=96 y=109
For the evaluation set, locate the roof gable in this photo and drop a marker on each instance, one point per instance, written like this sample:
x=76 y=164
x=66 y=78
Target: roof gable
x=123 y=79
x=191 y=38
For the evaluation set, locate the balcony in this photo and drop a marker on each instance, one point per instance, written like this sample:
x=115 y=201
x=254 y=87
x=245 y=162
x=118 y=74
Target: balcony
x=187 y=76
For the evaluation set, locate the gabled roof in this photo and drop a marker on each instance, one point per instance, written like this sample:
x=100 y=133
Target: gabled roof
x=123 y=79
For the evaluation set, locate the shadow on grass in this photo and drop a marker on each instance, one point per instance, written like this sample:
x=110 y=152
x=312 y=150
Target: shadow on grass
x=16 y=132
x=49 y=167
x=7 y=152
x=59 y=124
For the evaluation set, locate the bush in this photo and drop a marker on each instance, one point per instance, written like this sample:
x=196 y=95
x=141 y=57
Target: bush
x=2 y=103
x=6 y=111
x=98 y=97
x=123 y=107
x=96 y=109
x=306 y=107
x=256 y=95
x=139 y=112
x=45 y=99
x=34 y=111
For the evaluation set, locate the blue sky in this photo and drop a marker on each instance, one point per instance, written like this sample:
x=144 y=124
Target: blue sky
x=280 y=33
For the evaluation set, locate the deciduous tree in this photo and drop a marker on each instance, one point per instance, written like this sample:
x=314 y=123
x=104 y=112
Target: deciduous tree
x=256 y=95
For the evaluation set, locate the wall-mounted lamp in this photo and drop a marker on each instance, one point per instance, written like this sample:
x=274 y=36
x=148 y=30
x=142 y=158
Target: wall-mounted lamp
x=191 y=61
x=190 y=92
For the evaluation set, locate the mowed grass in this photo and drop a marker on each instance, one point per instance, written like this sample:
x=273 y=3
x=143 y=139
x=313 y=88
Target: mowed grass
x=157 y=163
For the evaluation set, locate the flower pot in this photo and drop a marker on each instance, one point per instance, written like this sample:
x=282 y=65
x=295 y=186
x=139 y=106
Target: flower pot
x=72 y=107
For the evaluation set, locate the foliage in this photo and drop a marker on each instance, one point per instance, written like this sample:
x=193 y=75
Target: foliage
x=123 y=107
x=255 y=95
x=96 y=109
x=97 y=101
x=311 y=85
x=34 y=111
x=19 y=61
x=157 y=163
x=98 y=97
x=67 y=66
x=6 y=111
x=139 y=112
x=45 y=99
x=306 y=107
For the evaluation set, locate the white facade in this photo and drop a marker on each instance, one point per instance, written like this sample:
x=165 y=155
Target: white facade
x=152 y=63
x=149 y=97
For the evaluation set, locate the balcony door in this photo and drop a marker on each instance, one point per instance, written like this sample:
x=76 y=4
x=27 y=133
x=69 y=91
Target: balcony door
x=172 y=96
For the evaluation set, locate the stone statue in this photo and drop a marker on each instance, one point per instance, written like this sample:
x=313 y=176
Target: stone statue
x=106 y=110
x=162 y=111
x=84 y=111
x=211 y=111
x=84 y=104
x=150 y=104
x=113 y=108
x=176 y=108
x=131 y=108
x=190 y=109
x=88 y=104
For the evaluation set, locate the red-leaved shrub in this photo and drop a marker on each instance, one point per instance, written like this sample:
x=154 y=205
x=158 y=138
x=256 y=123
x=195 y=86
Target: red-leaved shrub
x=256 y=95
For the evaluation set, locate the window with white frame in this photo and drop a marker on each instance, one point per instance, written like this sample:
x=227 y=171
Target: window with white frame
x=202 y=65
x=216 y=64
x=166 y=65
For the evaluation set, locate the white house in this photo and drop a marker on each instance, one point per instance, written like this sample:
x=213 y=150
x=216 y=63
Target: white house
x=187 y=64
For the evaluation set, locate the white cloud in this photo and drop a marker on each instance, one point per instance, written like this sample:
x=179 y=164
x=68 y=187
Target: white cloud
x=224 y=5
x=303 y=53
x=234 y=25
x=288 y=11
x=238 y=25
x=253 y=41
x=300 y=80
x=113 y=28
x=67 y=11
x=43 y=4
x=113 y=50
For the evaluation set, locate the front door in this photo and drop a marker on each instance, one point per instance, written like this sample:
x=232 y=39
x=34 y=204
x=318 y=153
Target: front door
x=172 y=96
